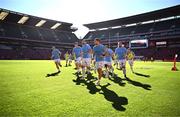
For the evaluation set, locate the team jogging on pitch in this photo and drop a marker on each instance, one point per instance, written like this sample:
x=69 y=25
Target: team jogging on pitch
x=99 y=58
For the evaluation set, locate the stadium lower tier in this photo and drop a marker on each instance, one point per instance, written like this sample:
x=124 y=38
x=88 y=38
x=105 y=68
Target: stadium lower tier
x=164 y=54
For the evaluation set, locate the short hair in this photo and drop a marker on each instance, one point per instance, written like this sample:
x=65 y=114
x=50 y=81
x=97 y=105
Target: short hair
x=83 y=40
x=76 y=43
x=97 y=39
x=53 y=47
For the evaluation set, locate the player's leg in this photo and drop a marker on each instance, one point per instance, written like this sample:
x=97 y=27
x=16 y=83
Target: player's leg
x=131 y=62
x=124 y=67
x=66 y=62
x=106 y=69
x=120 y=64
x=59 y=63
x=95 y=66
x=57 y=66
x=88 y=65
x=111 y=69
x=83 y=68
x=79 y=65
x=99 y=69
x=70 y=62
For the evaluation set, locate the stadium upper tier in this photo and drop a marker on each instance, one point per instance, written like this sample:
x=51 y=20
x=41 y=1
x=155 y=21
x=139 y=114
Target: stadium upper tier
x=149 y=30
x=164 y=22
x=14 y=25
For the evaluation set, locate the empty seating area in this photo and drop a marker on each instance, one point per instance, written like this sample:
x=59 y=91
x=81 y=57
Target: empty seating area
x=23 y=36
x=136 y=29
x=35 y=33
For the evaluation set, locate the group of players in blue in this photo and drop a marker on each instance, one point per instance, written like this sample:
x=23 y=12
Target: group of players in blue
x=101 y=56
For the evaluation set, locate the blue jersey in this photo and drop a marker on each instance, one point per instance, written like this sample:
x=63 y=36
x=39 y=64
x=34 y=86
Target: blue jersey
x=85 y=49
x=77 y=51
x=108 y=56
x=99 y=51
x=55 y=54
x=121 y=53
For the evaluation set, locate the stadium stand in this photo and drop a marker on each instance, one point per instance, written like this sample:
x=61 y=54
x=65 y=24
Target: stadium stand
x=25 y=36
x=161 y=28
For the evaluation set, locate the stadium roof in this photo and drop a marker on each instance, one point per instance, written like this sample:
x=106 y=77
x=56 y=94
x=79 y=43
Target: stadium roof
x=153 y=15
x=25 y=19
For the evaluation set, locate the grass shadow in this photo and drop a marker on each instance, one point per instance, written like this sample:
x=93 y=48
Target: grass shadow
x=53 y=74
x=78 y=80
x=143 y=75
x=88 y=83
x=111 y=96
x=117 y=80
x=138 y=84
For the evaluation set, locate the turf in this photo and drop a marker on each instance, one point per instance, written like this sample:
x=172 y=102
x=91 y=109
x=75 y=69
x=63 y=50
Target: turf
x=26 y=91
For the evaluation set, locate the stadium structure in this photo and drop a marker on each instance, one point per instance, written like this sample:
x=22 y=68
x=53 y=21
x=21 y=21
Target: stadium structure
x=153 y=34
x=25 y=36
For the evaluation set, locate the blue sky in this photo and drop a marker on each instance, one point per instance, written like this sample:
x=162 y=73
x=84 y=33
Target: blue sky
x=81 y=12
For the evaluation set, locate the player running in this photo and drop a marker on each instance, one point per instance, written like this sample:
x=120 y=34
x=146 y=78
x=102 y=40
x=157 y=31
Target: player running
x=56 y=57
x=120 y=51
x=77 y=52
x=86 y=58
x=108 y=62
x=130 y=58
x=66 y=56
x=99 y=53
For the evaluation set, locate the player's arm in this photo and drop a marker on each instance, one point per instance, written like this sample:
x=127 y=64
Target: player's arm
x=93 y=54
x=113 y=55
x=52 y=56
x=104 y=51
x=59 y=53
x=89 y=49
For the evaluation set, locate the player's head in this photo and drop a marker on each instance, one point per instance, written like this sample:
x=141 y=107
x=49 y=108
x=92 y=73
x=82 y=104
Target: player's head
x=76 y=44
x=83 y=42
x=53 y=47
x=97 y=41
x=119 y=44
x=129 y=49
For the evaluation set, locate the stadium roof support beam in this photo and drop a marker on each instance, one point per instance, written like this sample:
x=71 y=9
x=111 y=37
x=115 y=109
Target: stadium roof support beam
x=3 y=15
x=40 y=23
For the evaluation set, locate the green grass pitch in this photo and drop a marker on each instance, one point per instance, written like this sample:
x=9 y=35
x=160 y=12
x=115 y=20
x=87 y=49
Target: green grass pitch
x=26 y=91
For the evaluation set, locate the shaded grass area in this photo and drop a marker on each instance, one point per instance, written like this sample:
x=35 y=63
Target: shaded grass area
x=26 y=91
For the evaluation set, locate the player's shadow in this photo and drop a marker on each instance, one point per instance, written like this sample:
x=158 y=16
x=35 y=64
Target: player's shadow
x=53 y=74
x=109 y=95
x=138 y=84
x=117 y=80
x=78 y=80
x=118 y=102
x=143 y=75
x=88 y=82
